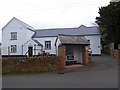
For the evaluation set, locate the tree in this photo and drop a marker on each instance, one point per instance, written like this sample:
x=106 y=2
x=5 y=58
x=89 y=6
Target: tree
x=109 y=23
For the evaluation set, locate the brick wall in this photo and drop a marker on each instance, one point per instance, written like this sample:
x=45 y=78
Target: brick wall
x=31 y=64
x=113 y=53
x=116 y=54
x=62 y=54
x=85 y=56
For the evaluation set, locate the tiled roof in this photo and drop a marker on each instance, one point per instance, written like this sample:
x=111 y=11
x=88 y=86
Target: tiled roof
x=68 y=39
x=82 y=30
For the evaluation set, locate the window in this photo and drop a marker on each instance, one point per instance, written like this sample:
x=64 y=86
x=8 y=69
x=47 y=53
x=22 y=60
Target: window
x=13 y=35
x=47 y=44
x=13 y=49
x=69 y=53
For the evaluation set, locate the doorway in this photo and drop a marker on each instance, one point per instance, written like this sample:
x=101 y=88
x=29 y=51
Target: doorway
x=78 y=54
x=30 y=51
x=73 y=54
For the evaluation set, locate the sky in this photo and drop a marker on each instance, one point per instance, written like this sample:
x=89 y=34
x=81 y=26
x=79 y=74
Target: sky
x=42 y=14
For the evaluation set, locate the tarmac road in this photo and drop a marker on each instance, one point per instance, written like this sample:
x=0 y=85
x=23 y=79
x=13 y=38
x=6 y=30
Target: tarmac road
x=102 y=72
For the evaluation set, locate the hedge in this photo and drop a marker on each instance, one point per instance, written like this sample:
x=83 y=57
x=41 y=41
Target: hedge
x=31 y=64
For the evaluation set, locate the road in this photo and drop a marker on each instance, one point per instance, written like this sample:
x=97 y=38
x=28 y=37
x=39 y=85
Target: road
x=102 y=72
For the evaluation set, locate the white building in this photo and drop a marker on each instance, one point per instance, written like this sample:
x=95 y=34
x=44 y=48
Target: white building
x=18 y=38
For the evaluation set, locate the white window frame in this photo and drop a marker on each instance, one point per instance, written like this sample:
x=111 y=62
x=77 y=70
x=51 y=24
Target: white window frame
x=13 y=48
x=47 y=45
x=13 y=35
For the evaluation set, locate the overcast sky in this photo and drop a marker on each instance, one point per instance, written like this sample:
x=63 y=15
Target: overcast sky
x=51 y=13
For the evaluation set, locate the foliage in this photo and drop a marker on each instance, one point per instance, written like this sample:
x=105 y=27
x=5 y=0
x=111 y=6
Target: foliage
x=109 y=22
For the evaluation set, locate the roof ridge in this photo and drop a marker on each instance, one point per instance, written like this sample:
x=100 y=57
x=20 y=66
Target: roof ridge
x=55 y=29
x=82 y=25
x=87 y=26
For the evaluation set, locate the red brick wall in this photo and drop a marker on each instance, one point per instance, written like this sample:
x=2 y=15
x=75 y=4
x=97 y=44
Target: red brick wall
x=113 y=53
x=116 y=54
x=62 y=54
x=30 y=64
x=85 y=56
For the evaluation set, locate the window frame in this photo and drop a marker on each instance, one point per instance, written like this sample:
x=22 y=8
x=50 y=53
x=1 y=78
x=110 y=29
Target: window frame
x=13 y=36
x=13 y=48
x=47 y=45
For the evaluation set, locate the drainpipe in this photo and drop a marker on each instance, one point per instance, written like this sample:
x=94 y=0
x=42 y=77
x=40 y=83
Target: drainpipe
x=22 y=49
x=8 y=50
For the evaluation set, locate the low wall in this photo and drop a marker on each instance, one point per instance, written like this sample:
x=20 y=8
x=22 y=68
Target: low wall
x=31 y=64
x=109 y=49
x=116 y=54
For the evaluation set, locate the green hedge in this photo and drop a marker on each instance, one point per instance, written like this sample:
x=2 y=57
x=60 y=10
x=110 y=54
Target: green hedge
x=31 y=64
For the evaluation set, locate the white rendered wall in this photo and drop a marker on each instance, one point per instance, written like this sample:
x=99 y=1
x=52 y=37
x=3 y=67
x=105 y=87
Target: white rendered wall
x=95 y=44
x=23 y=35
x=52 y=39
x=57 y=44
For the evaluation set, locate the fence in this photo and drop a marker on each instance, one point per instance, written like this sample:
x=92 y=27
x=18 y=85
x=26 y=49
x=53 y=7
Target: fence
x=31 y=64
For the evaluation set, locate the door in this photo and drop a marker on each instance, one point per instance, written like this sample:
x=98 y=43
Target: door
x=30 y=51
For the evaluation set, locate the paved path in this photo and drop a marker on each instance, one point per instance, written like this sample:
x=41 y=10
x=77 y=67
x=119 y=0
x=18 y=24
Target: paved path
x=102 y=72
